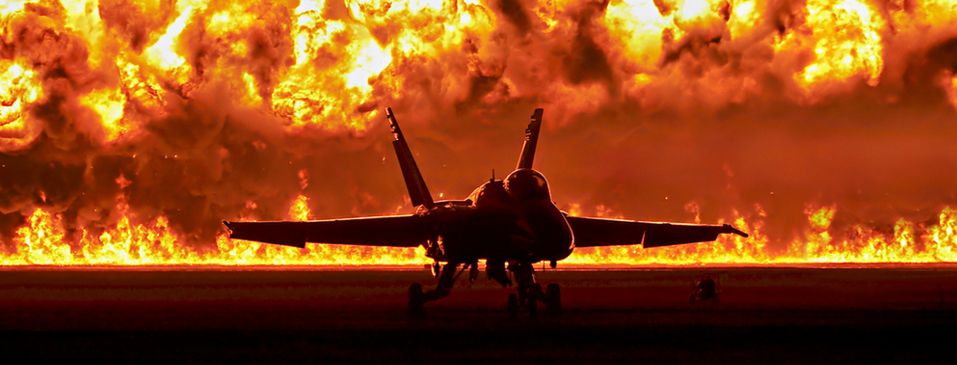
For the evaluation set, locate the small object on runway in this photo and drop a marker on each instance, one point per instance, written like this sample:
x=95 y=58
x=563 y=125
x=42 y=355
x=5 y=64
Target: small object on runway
x=704 y=289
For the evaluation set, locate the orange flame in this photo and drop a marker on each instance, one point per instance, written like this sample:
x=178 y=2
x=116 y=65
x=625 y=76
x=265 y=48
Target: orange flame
x=334 y=64
x=846 y=42
x=314 y=65
x=19 y=89
x=43 y=240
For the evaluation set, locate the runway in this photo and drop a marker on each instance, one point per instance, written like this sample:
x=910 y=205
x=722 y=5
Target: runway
x=782 y=314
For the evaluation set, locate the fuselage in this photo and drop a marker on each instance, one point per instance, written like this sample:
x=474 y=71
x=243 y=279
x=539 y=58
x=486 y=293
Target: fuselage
x=508 y=220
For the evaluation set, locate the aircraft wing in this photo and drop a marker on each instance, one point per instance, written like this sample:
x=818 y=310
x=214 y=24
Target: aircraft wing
x=592 y=232
x=391 y=231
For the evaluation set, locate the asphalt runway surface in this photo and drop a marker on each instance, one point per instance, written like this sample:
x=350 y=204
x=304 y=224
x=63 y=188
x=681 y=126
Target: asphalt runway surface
x=201 y=315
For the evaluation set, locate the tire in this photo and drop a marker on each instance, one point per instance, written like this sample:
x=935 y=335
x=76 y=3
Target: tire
x=535 y=293
x=512 y=306
x=533 y=300
x=553 y=298
x=416 y=301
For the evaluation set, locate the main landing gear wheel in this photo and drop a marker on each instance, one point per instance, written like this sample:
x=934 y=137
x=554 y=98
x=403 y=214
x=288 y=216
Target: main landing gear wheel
x=416 y=301
x=533 y=297
x=512 y=306
x=553 y=298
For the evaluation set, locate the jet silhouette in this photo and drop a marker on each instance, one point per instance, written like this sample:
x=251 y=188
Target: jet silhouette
x=511 y=224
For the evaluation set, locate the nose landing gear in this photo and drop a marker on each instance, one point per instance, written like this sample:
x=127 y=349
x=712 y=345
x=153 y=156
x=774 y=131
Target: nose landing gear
x=416 y=301
x=530 y=293
x=512 y=306
x=553 y=298
x=446 y=279
x=550 y=298
x=436 y=269
x=527 y=296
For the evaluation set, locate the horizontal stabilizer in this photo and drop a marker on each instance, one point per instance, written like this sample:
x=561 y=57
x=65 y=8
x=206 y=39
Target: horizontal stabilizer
x=278 y=233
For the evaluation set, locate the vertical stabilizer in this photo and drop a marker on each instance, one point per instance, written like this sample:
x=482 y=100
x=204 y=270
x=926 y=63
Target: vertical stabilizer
x=418 y=191
x=527 y=157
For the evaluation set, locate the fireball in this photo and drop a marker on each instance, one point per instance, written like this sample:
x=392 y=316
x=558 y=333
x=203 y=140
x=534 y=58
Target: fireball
x=211 y=110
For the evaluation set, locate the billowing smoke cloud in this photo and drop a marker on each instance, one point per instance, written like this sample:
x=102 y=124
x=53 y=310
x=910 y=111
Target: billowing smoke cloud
x=667 y=110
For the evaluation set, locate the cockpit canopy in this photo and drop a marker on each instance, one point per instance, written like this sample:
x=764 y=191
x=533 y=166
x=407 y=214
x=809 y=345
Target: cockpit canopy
x=527 y=184
x=489 y=194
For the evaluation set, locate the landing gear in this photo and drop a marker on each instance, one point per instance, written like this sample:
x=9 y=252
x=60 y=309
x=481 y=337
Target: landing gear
x=436 y=269
x=512 y=306
x=705 y=289
x=416 y=300
x=530 y=293
x=524 y=275
x=553 y=298
x=532 y=298
x=417 y=297
x=527 y=296
x=473 y=272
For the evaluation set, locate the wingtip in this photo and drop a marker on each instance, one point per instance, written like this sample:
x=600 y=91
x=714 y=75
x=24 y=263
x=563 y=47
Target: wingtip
x=731 y=229
x=228 y=225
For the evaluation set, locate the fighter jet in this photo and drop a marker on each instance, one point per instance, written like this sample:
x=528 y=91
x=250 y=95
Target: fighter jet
x=511 y=224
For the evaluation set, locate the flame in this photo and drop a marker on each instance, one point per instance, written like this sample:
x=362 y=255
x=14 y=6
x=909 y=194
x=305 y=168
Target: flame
x=108 y=105
x=82 y=16
x=949 y=82
x=641 y=29
x=329 y=66
x=300 y=208
x=908 y=243
x=744 y=17
x=19 y=90
x=164 y=54
x=845 y=42
x=143 y=88
x=44 y=240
